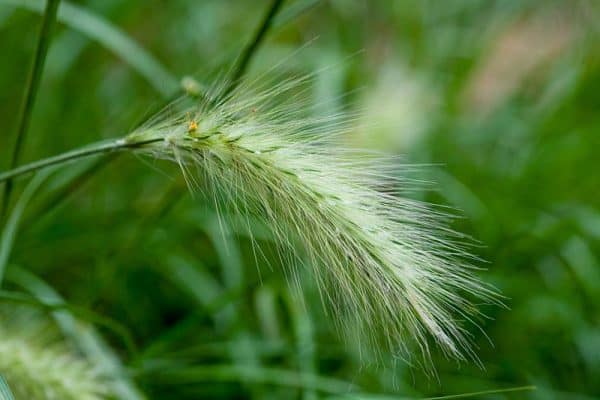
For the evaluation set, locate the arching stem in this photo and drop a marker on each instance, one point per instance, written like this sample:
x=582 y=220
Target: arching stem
x=95 y=149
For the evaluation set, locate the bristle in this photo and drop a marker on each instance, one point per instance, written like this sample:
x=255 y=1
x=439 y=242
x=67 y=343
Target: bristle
x=382 y=262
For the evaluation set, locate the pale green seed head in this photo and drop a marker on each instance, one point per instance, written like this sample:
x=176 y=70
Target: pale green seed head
x=384 y=263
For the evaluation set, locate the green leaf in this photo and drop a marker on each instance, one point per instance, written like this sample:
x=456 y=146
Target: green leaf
x=11 y=227
x=5 y=393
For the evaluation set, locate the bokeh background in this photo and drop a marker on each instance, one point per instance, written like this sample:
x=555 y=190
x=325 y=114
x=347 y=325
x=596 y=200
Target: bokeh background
x=499 y=99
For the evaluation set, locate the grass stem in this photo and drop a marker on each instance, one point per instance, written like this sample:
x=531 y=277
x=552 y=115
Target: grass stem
x=248 y=53
x=95 y=149
x=31 y=90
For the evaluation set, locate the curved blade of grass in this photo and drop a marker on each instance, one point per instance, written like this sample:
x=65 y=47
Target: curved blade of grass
x=5 y=393
x=113 y=39
x=483 y=392
x=11 y=227
x=31 y=89
x=85 y=336
x=366 y=396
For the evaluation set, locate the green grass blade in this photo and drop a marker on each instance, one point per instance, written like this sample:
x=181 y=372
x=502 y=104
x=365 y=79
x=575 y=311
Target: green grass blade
x=31 y=90
x=11 y=227
x=5 y=393
x=483 y=392
x=112 y=38
x=367 y=396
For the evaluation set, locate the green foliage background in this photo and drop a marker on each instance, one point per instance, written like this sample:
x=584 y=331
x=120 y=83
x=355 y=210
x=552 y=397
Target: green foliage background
x=501 y=97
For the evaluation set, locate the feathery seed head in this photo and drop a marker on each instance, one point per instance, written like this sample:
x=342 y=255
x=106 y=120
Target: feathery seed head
x=381 y=260
x=37 y=367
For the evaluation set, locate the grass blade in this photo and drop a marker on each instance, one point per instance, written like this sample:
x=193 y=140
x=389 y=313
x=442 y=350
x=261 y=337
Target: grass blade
x=246 y=56
x=483 y=392
x=31 y=89
x=367 y=396
x=11 y=227
x=5 y=393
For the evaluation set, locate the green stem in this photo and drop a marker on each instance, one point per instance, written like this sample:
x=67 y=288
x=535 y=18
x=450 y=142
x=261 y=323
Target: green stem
x=31 y=90
x=250 y=50
x=95 y=149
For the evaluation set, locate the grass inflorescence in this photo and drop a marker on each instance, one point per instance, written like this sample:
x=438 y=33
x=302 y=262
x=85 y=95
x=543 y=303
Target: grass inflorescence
x=385 y=264
x=38 y=366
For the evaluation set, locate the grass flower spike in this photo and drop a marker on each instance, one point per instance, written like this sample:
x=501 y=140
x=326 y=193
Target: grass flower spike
x=37 y=367
x=382 y=261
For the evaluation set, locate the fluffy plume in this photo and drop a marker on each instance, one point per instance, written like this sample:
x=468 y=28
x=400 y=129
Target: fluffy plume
x=383 y=262
x=36 y=366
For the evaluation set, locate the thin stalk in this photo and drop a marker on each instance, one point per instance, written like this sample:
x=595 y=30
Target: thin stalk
x=250 y=50
x=95 y=149
x=31 y=90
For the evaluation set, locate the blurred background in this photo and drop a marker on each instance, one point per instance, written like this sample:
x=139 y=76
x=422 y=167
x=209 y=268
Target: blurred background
x=500 y=99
